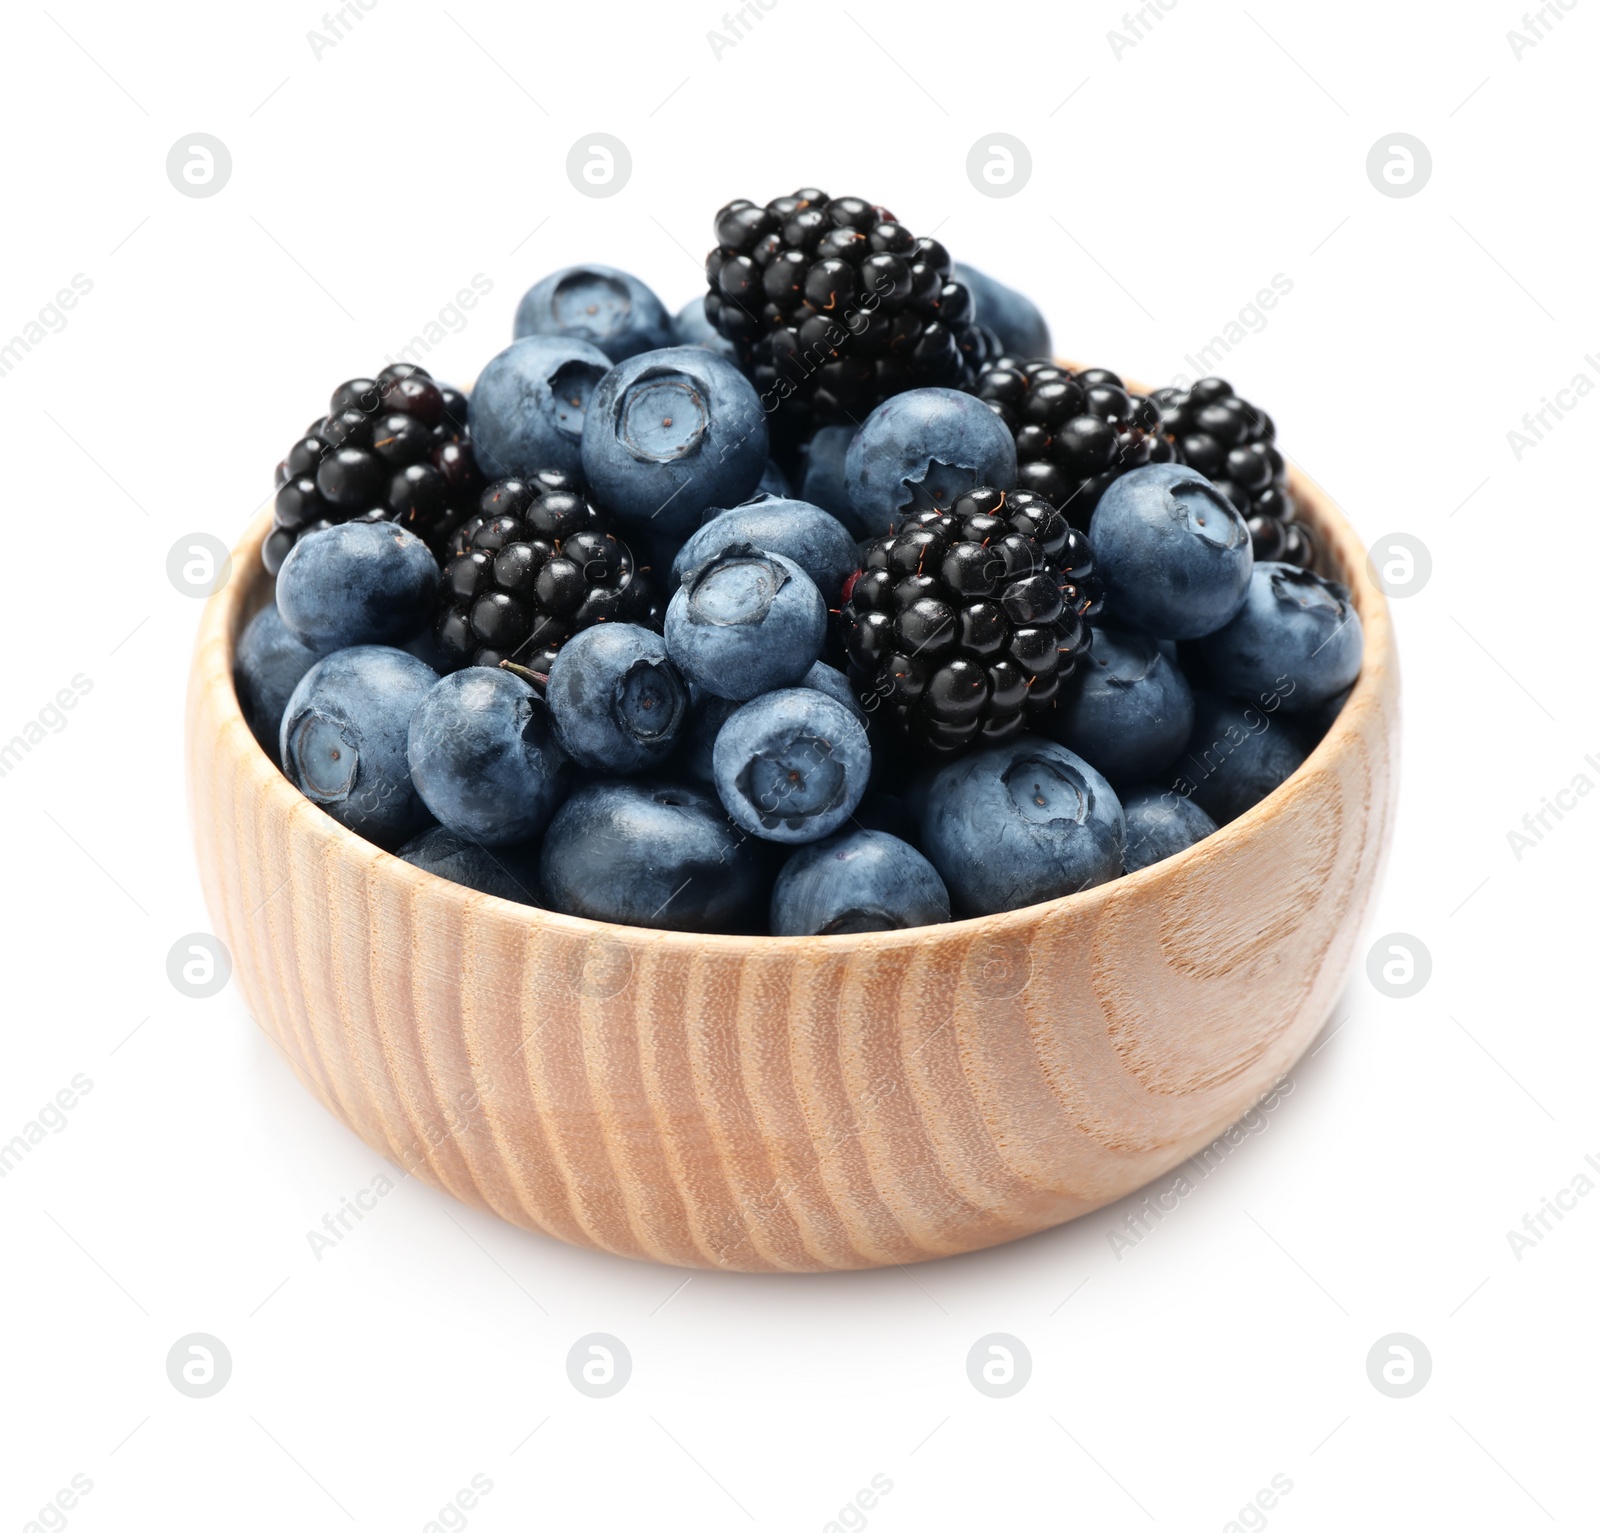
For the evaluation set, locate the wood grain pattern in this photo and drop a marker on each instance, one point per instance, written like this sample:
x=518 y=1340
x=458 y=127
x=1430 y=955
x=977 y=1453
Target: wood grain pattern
x=793 y=1104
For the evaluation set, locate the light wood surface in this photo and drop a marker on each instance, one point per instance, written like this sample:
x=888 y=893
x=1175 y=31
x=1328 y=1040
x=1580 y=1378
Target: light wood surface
x=793 y=1104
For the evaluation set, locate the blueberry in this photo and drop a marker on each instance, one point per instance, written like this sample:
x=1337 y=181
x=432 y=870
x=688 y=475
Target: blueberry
x=919 y=450
x=804 y=533
x=1129 y=710
x=530 y=404
x=1171 y=550
x=823 y=482
x=824 y=678
x=671 y=433
x=484 y=756
x=1296 y=639
x=652 y=854
x=596 y=304
x=511 y=872
x=268 y=663
x=343 y=739
x=856 y=881
x=1236 y=755
x=690 y=327
x=357 y=583
x=792 y=765
x=1021 y=822
x=619 y=702
x=1014 y=318
x=746 y=622
x=1161 y=823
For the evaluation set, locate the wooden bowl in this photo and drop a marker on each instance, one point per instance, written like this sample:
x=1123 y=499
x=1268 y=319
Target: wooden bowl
x=793 y=1104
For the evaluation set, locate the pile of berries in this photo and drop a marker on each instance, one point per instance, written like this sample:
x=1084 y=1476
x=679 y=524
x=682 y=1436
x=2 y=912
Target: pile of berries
x=847 y=611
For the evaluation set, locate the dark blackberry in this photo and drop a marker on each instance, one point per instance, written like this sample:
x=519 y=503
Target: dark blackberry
x=392 y=448
x=832 y=306
x=1233 y=443
x=1075 y=432
x=535 y=563
x=964 y=623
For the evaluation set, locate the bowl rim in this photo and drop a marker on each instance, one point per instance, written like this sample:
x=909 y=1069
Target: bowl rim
x=227 y=611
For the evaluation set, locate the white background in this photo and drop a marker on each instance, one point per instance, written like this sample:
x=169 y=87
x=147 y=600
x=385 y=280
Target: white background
x=1169 y=1386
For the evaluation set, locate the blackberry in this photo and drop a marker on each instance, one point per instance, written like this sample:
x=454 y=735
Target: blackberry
x=1075 y=432
x=832 y=306
x=392 y=448
x=1233 y=443
x=537 y=562
x=964 y=623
